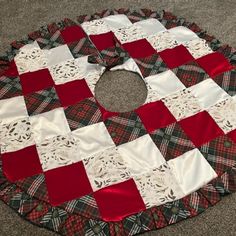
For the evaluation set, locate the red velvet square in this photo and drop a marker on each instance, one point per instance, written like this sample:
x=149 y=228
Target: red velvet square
x=73 y=92
x=35 y=81
x=139 y=49
x=201 y=128
x=21 y=164
x=67 y=183
x=105 y=113
x=214 y=64
x=103 y=41
x=119 y=200
x=72 y=33
x=176 y=56
x=12 y=70
x=155 y=115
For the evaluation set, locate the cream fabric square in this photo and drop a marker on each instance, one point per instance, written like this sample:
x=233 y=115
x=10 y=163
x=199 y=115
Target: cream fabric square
x=224 y=114
x=61 y=150
x=12 y=109
x=208 y=93
x=182 y=104
x=129 y=65
x=151 y=26
x=30 y=58
x=16 y=135
x=95 y=27
x=141 y=155
x=58 y=54
x=92 y=139
x=115 y=22
x=165 y=83
x=183 y=34
x=105 y=168
x=158 y=186
x=49 y=124
x=192 y=171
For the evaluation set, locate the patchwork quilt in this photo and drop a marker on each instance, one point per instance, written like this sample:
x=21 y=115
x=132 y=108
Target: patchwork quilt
x=70 y=165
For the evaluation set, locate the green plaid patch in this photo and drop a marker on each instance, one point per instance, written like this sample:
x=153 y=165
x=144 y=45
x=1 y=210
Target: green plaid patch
x=96 y=227
x=10 y=87
x=42 y=101
x=125 y=127
x=151 y=65
x=172 y=141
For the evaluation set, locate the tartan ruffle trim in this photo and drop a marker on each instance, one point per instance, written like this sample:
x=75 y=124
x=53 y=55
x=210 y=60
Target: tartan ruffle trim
x=81 y=217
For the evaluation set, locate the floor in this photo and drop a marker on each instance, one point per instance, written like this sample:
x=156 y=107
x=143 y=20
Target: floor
x=19 y=17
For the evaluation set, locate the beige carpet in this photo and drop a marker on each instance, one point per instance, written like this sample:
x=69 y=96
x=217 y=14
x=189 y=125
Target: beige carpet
x=19 y=17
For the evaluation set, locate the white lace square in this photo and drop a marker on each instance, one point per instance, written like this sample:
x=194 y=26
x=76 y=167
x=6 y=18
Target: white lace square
x=182 y=104
x=105 y=168
x=141 y=155
x=162 y=41
x=198 y=47
x=95 y=27
x=164 y=83
x=224 y=114
x=208 y=93
x=158 y=186
x=49 y=124
x=58 y=151
x=58 y=54
x=16 y=135
x=92 y=139
x=183 y=34
x=150 y=26
x=12 y=109
x=129 y=34
x=30 y=58
x=192 y=171
x=115 y=22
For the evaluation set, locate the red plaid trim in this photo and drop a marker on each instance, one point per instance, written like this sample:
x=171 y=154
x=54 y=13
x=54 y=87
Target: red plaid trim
x=190 y=73
x=125 y=127
x=229 y=180
x=151 y=65
x=229 y=53
x=10 y=87
x=8 y=191
x=96 y=227
x=116 y=229
x=220 y=153
x=83 y=113
x=172 y=141
x=42 y=101
x=158 y=218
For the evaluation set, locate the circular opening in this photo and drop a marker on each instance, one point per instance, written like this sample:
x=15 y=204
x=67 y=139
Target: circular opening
x=120 y=91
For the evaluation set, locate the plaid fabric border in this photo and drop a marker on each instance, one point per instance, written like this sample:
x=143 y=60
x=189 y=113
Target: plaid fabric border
x=116 y=229
x=190 y=74
x=125 y=127
x=151 y=65
x=10 y=87
x=35 y=186
x=229 y=53
x=227 y=81
x=158 y=217
x=84 y=113
x=85 y=206
x=172 y=141
x=42 y=101
x=96 y=227
x=228 y=180
x=82 y=48
x=8 y=191
x=139 y=223
x=220 y=153
x=175 y=211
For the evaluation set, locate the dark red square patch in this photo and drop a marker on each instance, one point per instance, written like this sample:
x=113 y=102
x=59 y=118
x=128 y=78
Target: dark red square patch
x=139 y=49
x=73 y=92
x=176 y=56
x=35 y=81
x=67 y=183
x=21 y=164
x=214 y=64
x=119 y=200
x=200 y=128
x=72 y=33
x=155 y=115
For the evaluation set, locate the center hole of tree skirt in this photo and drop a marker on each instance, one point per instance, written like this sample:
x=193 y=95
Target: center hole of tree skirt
x=120 y=91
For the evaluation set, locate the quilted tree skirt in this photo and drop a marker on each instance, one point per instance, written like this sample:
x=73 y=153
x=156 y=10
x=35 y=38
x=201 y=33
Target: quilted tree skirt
x=70 y=165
